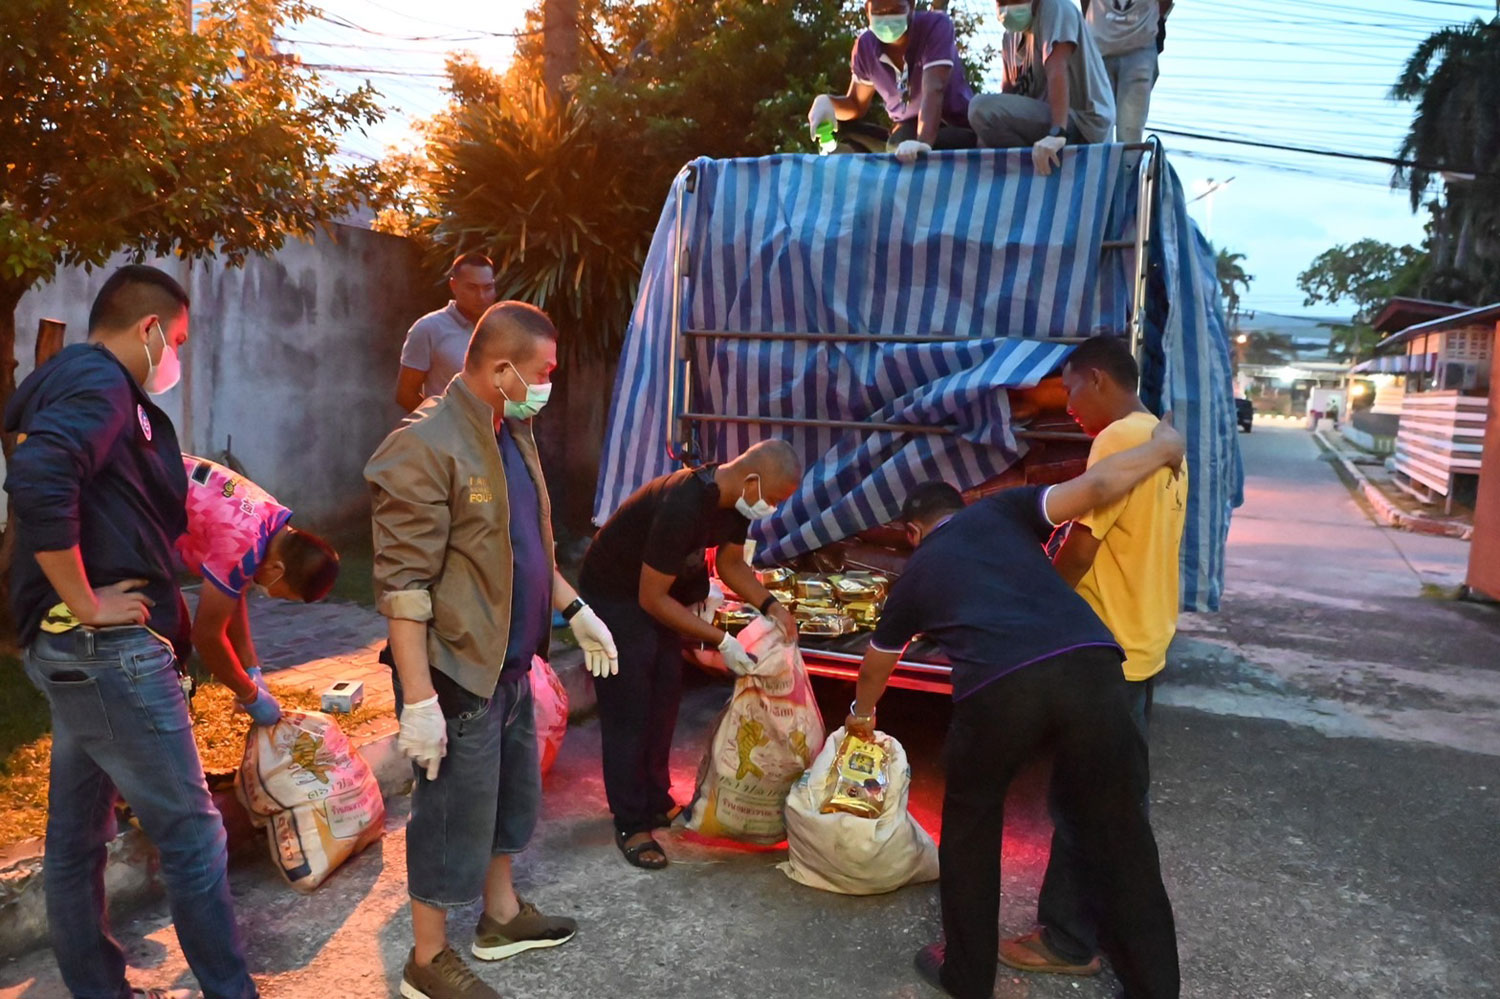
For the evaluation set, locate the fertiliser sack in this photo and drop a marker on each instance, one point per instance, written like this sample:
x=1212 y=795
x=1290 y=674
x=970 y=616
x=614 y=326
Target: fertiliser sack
x=841 y=852
x=303 y=783
x=762 y=742
x=551 y=700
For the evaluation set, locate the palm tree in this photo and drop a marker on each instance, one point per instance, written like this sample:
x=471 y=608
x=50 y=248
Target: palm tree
x=1454 y=78
x=540 y=186
x=1232 y=278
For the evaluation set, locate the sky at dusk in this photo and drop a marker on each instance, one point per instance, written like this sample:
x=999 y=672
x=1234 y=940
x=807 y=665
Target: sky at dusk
x=1299 y=73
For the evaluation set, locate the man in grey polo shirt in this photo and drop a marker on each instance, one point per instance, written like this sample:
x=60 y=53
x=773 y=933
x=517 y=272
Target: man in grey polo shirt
x=435 y=344
x=1054 y=89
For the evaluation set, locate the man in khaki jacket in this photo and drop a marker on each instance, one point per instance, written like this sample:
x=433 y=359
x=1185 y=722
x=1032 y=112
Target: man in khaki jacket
x=465 y=574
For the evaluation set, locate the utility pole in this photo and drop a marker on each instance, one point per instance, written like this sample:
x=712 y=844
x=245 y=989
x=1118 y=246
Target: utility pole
x=560 y=36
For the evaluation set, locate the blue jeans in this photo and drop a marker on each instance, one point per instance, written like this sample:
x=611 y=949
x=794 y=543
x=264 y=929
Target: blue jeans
x=120 y=725
x=487 y=795
x=1132 y=75
x=1065 y=908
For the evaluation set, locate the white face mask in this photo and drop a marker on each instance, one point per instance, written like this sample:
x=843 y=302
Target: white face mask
x=536 y=398
x=759 y=510
x=164 y=375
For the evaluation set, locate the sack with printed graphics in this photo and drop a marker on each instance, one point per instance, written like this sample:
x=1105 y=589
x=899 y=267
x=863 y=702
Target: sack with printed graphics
x=851 y=854
x=303 y=783
x=551 y=700
x=762 y=742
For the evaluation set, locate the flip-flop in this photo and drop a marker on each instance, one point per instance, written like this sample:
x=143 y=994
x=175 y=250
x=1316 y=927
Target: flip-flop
x=633 y=854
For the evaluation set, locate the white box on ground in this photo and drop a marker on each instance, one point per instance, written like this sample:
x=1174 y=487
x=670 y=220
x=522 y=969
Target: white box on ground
x=344 y=696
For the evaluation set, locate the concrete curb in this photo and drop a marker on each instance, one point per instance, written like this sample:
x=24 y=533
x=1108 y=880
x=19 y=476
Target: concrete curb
x=132 y=873
x=1389 y=514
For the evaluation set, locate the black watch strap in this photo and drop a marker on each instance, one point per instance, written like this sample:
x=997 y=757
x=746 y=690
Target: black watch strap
x=765 y=605
x=573 y=608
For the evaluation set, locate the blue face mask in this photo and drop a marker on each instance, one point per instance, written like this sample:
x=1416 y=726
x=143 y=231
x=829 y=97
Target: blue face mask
x=888 y=27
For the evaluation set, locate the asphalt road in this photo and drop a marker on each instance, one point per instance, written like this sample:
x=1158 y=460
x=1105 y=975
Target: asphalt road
x=1326 y=797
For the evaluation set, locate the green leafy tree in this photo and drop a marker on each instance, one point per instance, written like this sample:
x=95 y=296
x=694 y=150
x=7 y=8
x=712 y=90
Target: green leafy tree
x=1368 y=274
x=1232 y=278
x=121 y=130
x=1453 y=78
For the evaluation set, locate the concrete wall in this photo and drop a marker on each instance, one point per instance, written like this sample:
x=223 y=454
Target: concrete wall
x=294 y=356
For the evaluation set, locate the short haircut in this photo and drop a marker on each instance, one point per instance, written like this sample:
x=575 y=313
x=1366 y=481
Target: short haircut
x=1109 y=354
x=930 y=500
x=471 y=259
x=312 y=565
x=509 y=330
x=132 y=292
x=776 y=458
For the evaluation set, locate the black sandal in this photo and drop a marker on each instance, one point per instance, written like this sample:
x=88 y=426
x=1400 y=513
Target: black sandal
x=633 y=854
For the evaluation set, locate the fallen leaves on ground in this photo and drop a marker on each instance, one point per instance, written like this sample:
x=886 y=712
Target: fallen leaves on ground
x=218 y=729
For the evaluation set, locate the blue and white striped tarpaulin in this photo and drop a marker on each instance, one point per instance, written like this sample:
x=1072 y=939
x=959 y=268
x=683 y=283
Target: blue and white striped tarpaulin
x=972 y=245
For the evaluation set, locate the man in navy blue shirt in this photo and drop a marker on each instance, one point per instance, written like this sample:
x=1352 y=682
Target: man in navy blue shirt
x=911 y=60
x=1032 y=665
x=99 y=491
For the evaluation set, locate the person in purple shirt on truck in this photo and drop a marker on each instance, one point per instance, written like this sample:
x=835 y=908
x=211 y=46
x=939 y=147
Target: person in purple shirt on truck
x=910 y=59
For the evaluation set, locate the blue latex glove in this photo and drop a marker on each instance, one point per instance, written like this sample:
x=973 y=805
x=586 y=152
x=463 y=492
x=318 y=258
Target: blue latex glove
x=258 y=678
x=264 y=710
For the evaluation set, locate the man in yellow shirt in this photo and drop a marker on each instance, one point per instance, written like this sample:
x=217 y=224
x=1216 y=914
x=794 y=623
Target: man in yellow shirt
x=1123 y=559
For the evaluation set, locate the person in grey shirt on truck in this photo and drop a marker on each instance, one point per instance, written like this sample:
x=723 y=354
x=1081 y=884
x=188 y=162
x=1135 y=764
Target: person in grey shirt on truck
x=1054 y=88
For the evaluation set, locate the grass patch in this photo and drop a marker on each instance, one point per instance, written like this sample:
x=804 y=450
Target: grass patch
x=356 y=573
x=218 y=729
x=23 y=710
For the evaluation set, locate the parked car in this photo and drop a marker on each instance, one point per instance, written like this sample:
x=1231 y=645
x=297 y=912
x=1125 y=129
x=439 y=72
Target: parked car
x=1244 y=414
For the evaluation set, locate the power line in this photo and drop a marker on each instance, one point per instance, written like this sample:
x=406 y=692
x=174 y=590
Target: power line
x=1308 y=151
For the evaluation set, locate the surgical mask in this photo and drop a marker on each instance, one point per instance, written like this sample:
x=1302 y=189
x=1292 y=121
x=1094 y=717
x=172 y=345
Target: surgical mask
x=536 y=398
x=1017 y=18
x=888 y=27
x=759 y=510
x=164 y=375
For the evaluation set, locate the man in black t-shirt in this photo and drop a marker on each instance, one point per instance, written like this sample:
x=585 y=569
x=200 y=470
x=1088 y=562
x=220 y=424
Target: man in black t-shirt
x=643 y=570
x=1032 y=665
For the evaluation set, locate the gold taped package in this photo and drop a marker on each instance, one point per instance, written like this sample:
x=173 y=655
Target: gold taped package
x=733 y=617
x=860 y=779
x=824 y=625
x=811 y=586
x=776 y=579
x=865 y=614
x=858 y=587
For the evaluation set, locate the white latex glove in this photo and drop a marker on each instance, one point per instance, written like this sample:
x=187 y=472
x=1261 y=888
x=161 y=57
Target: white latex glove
x=597 y=643
x=736 y=658
x=1044 y=153
x=911 y=149
x=822 y=111
x=424 y=735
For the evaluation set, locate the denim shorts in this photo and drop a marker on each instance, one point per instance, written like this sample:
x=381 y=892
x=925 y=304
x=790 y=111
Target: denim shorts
x=486 y=796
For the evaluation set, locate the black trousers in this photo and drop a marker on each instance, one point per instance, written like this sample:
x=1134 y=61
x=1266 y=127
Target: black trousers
x=638 y=714
x=1065 y=907
x=862 y=136
x=1078 y=704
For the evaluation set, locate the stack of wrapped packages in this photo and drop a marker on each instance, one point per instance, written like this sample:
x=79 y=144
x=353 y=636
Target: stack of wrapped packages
x=826 y=605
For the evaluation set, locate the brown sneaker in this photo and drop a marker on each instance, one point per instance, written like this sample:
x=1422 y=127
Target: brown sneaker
x=1031 y=953
x=447 y=977
x=495 y=941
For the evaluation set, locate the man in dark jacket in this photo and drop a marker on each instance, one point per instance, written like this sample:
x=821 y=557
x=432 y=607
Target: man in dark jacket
x=99 y=492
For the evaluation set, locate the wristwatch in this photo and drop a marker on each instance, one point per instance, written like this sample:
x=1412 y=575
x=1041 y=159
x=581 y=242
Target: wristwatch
x=573 y=608
x=1056 y=131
